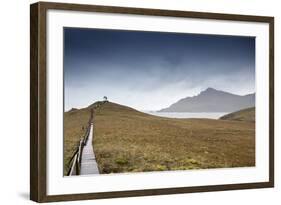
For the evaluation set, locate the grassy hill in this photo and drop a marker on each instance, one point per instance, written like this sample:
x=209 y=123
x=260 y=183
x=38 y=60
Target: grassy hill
x=241 y=115
x=75 y=123
x=126 y=140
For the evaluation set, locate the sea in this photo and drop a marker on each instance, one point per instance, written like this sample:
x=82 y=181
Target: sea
x=208 y=115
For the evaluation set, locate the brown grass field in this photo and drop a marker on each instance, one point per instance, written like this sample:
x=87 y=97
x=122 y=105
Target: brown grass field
x=74 y=122
x=126 y=140
x=247 y=114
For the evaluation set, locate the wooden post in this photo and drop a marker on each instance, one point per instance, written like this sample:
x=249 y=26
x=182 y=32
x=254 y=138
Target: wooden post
x=77 y=167
x=73 y=170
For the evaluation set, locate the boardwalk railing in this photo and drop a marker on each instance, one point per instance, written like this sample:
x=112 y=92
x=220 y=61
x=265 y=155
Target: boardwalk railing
x=76 y=158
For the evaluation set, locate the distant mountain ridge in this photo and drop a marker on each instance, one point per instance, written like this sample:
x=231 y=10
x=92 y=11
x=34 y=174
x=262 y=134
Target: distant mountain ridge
x=212 y=100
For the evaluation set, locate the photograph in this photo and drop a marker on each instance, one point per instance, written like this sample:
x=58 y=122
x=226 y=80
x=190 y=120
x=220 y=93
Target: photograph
x=143 y=101
x=139 y=101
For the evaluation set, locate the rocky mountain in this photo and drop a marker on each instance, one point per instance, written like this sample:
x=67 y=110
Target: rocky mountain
x=212 y=100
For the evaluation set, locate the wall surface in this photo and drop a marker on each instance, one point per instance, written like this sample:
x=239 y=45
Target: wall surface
x=14 y=104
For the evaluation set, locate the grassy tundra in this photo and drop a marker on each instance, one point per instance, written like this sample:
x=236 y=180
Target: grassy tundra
x=74 y=126
x=126 y=140
x=241 y=115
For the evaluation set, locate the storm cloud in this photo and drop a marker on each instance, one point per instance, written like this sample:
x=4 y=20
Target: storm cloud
x=151 y=70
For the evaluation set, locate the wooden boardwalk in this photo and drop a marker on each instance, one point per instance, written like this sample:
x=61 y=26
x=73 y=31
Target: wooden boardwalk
x=88 y=158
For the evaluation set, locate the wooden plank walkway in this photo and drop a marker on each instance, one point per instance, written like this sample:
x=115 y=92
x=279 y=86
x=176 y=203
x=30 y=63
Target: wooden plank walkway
x=88 y=158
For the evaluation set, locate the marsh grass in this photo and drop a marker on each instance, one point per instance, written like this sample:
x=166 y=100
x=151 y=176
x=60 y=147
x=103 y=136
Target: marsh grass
x=75 y=124
x=126 y=140
x=247 y=114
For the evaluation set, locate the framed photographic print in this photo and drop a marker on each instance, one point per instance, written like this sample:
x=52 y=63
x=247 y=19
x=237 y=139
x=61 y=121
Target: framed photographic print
x=134 y=102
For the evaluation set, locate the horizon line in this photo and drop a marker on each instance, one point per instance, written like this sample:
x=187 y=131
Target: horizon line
x=161 y=108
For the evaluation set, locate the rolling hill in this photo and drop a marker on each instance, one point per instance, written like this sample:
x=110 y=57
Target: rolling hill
x=247 y=114
x=212 y=100
x=126 y=140
x=74 y=124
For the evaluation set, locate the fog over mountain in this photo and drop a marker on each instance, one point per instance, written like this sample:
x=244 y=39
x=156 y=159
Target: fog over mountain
x=152 y=70
x=212 y=100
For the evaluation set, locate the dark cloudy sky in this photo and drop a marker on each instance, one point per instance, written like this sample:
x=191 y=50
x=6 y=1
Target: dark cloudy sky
x=151 y=70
